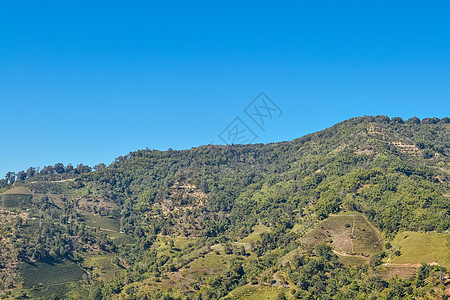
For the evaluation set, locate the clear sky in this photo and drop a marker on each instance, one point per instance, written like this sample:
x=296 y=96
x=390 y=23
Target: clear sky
x=88 y=81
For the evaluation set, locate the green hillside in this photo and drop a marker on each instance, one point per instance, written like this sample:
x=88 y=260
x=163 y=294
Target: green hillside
x=319 y=217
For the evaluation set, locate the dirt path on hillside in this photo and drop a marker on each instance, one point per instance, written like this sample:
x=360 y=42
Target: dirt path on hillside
x=348 y=255
x=56 y=181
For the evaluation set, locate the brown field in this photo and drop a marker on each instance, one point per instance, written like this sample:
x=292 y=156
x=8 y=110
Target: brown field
x=19 y=190
x=403 y=272
x=347 y=234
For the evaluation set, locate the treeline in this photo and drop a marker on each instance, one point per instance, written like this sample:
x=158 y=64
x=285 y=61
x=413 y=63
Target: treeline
x=58 y=169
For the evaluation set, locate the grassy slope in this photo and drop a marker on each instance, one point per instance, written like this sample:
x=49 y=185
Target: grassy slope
x=257 y=292
x=102 y=222
x=418 y=247
x=254 y=236
x=101 y=265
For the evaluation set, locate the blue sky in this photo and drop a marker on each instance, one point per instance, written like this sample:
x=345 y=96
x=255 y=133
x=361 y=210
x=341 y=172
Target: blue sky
x=87 y=82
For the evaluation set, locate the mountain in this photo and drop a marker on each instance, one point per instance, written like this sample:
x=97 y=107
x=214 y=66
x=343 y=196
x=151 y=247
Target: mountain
x=332 y=215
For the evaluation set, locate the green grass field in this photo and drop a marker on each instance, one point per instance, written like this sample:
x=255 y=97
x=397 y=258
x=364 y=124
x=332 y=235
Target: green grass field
x=120 y=238
x=257 y=292
x=179 y=244
x=351 y=234
x=418 y=247
x=254 y=236
x=105 y=223
x=208 y=264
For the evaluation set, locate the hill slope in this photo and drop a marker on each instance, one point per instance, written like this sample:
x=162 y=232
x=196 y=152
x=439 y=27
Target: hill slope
x=164 y=218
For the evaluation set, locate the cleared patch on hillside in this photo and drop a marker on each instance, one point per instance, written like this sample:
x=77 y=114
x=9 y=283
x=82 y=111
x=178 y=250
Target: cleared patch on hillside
x=16 y=197
x=182 y=197
x=100 y=205
x=389 y=271
x=215 y=261
x=347 y=234
x=257 y=292
x=206 y=265
x=173 y=283
x=20 y=190
x=109 y=226
x=183 y=207
x=406 y=148
x=352 y=260
x=418 y=247
x=101 y=266
x=254 y=236
x=172 y=246
x=179 y=242
x=46 y=274
x=102 y=222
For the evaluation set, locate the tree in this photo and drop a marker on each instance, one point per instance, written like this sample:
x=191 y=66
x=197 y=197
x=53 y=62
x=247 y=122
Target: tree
x=10 y=177
x=31 y=172
x=83 y=169
x=47 y=170
x=422 y=274
x=397 y=120
x=227 y=248
x=375 y=260
x=413 y=120
x=430 y=121
x=99 y=167
x=21 y=176
x=59 y=168
x=69 y=168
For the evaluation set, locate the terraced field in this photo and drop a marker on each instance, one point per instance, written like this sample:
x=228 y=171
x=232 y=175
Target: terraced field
x=40 y=274
x=48 y=279
x=109 y=226
x=102 y=222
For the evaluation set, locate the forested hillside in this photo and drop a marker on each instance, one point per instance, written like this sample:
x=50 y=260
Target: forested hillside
x=313 y=218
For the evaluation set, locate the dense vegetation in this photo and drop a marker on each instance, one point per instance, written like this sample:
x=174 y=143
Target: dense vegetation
x=396 y=173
